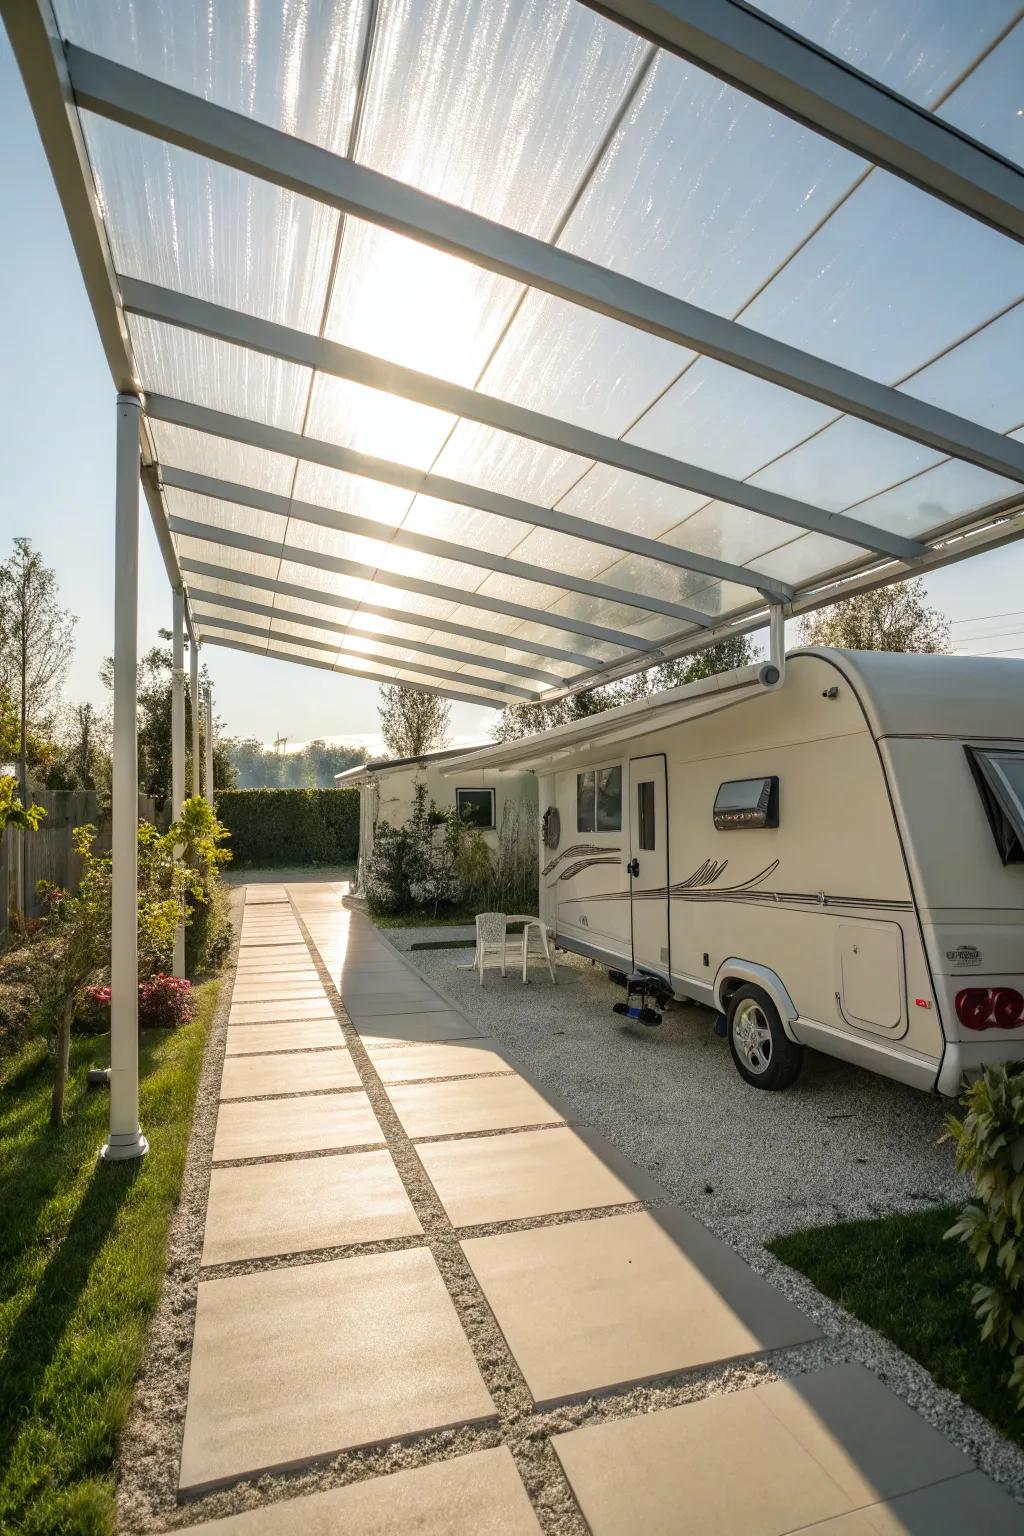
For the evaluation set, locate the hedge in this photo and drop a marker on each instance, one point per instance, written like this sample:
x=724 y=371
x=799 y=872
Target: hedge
x=291 y=826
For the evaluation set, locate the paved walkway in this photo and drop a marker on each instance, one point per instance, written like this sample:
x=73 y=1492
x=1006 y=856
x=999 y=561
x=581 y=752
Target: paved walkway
x=408 y=1241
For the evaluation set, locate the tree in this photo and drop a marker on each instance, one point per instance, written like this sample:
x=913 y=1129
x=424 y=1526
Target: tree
x=529 y=719
x=312 y=767
x=36 y=643
x=154 y=724
x=82 y=758
x=893 y=618
x=412 y=723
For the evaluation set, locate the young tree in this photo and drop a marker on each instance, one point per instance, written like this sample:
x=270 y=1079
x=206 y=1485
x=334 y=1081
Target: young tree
x=893 y=618
x=412 y=723
x=82 y=759
x=36 y=643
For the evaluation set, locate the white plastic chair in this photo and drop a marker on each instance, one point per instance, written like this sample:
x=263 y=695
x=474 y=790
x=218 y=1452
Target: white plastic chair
x=490 y=935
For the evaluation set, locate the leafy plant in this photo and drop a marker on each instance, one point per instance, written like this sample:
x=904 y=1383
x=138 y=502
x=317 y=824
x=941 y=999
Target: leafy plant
x=12 y=812
x=291 y=826
x=990 y=1144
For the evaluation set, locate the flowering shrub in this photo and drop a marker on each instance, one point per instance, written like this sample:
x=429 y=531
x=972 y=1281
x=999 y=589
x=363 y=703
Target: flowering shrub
x=93 y=1011
x=165 y=1002
x=57 y=899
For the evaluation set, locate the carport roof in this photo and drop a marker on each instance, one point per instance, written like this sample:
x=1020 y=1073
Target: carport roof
x=500 y=349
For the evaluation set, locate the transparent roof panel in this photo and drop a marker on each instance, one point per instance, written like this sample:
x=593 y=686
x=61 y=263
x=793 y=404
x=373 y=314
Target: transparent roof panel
x=919 y=48
x=186 y=222
x=988 y=104
x=292 y=66
x=556 y=122
x=704 y=191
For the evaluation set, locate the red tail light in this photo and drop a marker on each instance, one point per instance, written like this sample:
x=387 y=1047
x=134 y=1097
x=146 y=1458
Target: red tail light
x=990 y=1008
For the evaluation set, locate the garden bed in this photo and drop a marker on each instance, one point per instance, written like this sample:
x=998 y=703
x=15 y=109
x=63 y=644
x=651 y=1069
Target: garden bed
x=901 y=1277
x=82 y=1249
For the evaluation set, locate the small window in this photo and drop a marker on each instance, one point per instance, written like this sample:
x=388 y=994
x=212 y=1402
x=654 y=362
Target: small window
x=744 y=803
x=1000 y=779
x=585 y=801
x=476 y=807
x=599 y=800
x=645 y=816
x=609 y=799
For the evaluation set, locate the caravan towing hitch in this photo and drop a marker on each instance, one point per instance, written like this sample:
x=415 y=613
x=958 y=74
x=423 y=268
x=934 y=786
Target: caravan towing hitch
x=646 y=995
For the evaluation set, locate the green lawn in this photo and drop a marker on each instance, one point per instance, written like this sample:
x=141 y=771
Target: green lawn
x=898 y=1275
x=82 y=1247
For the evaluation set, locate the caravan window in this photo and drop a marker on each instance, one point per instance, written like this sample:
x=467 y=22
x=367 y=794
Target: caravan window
x=599 y=800
x=999 y=776
x=475 y=807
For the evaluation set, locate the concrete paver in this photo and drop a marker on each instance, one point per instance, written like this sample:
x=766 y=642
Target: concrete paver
x=761 y=1462
x=470 y=1104
x=418 y=1063
x=296 y=1035
x=529 y=1173
x=321 y=1122
x=306 y=1357
x=249 y=1077
x=399 y=1028
x=277 y=1012
x=297 y=1363
x=374 y=1004
x=305 y=1203
x=476 y=1495
x=623 y=1299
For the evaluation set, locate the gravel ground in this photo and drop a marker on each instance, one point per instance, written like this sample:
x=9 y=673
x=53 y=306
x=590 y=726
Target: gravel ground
x=841 y=1143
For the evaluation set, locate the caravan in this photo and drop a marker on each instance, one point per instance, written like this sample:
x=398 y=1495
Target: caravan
x=828 y=851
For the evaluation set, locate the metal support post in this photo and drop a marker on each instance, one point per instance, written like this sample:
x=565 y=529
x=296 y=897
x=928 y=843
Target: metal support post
x=178 y=745
x=196 y=707
x=777 y=638
x=209 y=746
x=125 y=1139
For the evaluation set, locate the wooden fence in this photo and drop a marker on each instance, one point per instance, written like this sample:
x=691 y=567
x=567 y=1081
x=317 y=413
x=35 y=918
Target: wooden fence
x=26 y=857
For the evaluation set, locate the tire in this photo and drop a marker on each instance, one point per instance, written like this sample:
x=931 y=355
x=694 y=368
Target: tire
x=763 y=1054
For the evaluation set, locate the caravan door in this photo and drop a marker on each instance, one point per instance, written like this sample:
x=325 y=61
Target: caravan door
x=648 y=863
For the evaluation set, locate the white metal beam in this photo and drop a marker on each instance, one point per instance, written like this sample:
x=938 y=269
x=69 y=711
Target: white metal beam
x=419 y=647
x=391 y=615
x=178 y=745
x=208 y=746
x=149 y=106
x=765 y=59
x=422 y=543
x=369 y=677
x=278 y=551
x=263 y=632
x=193 y=662
x=125 y=1139
x=279 y=341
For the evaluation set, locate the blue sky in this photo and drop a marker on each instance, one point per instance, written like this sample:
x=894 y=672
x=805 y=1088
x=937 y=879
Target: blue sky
x=56 y=454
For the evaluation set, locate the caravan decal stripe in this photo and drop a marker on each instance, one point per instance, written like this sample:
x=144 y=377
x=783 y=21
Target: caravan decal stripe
x=573 y=851
x=696 y=887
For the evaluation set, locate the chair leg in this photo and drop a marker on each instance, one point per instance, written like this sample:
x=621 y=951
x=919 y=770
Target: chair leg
x=526 y=939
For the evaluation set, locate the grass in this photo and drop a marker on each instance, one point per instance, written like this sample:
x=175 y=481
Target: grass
x=900 y=1276
x=82 y=1249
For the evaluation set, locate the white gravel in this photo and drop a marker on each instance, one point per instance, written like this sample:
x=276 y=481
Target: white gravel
x=841 y=1143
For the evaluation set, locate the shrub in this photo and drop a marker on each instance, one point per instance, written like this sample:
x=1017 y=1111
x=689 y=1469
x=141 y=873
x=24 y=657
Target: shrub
x=291 y=826
x=165 y=1002
x=990 y=1144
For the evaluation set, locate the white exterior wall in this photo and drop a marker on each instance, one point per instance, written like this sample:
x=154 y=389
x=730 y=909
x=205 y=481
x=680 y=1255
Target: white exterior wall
x=389 y=796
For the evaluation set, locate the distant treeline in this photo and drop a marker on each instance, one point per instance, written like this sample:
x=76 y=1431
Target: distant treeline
x=313 y=767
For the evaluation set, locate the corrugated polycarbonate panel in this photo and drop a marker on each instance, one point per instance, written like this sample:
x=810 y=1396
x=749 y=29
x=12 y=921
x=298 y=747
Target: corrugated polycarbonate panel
x=294 y=66
x=203 y=371
x=186 y=222
x=988 y=104
x=205 y=454
x=919 y=48
x=704 y=191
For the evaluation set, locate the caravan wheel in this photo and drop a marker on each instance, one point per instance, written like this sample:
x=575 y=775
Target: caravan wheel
x=764 y=1054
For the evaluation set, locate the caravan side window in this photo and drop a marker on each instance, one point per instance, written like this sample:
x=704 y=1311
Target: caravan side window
x=999 y=776
x=599 y=800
